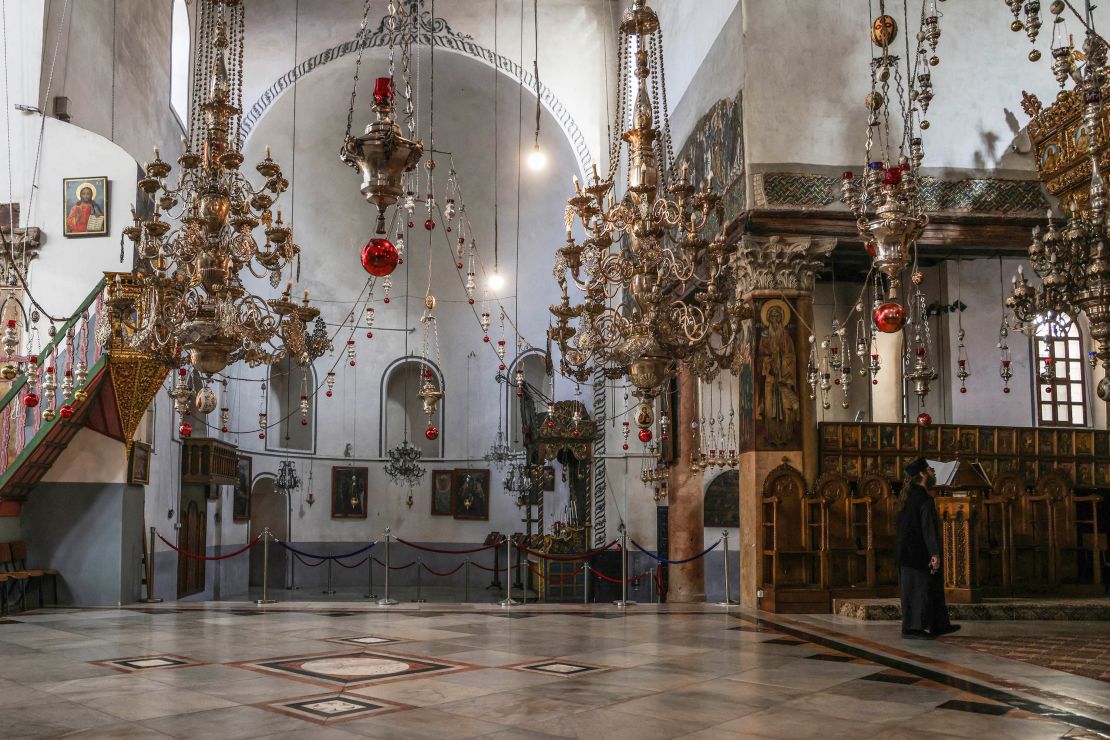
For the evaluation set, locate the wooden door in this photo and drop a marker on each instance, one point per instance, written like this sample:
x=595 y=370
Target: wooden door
x=192 y=538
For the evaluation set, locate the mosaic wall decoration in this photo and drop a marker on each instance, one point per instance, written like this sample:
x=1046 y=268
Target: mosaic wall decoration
x=995 y=196
x=717 y=144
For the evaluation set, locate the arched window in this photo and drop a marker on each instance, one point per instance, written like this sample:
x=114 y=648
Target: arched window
x=180 y=43
x=536 y=376
x=402 y=410
x=1061 y=402
x=288 y=382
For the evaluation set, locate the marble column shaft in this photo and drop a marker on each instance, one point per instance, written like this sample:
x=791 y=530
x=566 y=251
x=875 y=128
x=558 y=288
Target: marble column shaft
x=685 y=517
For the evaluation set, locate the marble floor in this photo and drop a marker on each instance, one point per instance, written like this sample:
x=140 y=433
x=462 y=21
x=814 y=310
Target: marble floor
x=343 y=670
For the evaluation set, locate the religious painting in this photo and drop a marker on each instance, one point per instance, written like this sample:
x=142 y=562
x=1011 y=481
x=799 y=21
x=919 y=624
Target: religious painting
x=722 y=500
x=745 y=407
x=348 y=492
x=1007 y=441
x=907 y=437
x=888 y=437
x=986 y=441
x=851 y=437
x=930 y=439
x=1046 y=442
x=778 y=401
x=870 y=440
x=1102 y=444
x=715 y=148
x=1064 y=444
x=830 y=436
x=241 y=496
x=138 y=469
x=443 y=484
x=1084 y=443
x=549 y=477
x=471 y=494
x=86 y=206
x=968 y=440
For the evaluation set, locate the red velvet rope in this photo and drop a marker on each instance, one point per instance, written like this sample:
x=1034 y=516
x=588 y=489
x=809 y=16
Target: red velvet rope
x=604 y=577
x=340 y=563
x=448 y=552
x=194 y=556
x=395 y=567
x=565 y=558
x=448 y=573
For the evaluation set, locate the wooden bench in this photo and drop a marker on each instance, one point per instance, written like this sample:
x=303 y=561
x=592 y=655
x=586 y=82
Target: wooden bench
x=19 y=561
x=13 y=577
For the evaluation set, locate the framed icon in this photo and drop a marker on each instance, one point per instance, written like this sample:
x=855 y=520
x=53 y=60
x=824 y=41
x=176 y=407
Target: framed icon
x=138 y=469
x=241 y=496
x=348 y=492
x=85 y=202
x=443 y=484
x=471 y=494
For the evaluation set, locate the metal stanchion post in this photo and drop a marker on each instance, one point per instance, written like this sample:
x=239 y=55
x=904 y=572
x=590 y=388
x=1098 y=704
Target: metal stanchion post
x=150 y=597
x=385 y=600
x=585 y=582
x=624 y=602
x=265 y=569
x=466 y=582
x=328 y=589
x=419 y=567
x=370 y=578
x=728 y=584
x=508 y=600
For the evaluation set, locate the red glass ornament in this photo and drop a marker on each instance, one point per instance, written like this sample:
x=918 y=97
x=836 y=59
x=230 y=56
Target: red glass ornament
x=66 y=411
x=847 y=175
x=262 y=435
x=892 y=177
x=485 y=339
x=385 y=300
x=645 y=435
x=470 y=301
x=180 y=371
x=889 y=317
x=432 y=433
x=369 y=335
x=400 y=261
x=1006 y=389
x=458 y=265
x=328 y=394
x=550 y=425
x=963 y=389
x=353 y=363
x=384 y=91
x=501 y=366
x=31 y=400
x=223 y=429
x=185 y=429
x=449 y=229
x=924 y=419
x=874 y=382
x=304 y=422
x=625 y=446
x=379 y=257
x=429 y=224
x=427 y=373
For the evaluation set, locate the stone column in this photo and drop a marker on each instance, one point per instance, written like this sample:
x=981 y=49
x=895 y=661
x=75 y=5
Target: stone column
x=685 y=503
x=887 y=404
x=776 y=418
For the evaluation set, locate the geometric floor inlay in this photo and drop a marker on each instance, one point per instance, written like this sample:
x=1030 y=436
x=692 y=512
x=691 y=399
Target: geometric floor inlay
x=145 y=663
x=559 y=668
x=332 y=708
x=362 y=641
x=352 y=669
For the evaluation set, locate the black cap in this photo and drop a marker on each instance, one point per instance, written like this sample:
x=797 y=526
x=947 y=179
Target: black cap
x=917 y=467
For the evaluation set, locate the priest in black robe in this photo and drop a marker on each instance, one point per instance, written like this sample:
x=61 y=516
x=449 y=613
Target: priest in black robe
x=918 y=552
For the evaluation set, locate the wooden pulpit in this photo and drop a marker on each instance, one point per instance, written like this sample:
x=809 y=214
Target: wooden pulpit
x=958 y=527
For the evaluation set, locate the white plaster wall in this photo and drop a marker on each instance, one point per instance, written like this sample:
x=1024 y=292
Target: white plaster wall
x=90 y=458
x=807 y=75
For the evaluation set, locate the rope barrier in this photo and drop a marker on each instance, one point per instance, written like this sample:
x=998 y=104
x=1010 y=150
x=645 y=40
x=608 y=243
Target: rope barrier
x=565 y=558
x=553 y=580
x=443 y=575
x=632 y=579
x=361 y=562
x=302 y=561
x=395 y=567
x=448 y=552
x=359 y=551
x=479 y=566
x=667 y=561
x=194 y=556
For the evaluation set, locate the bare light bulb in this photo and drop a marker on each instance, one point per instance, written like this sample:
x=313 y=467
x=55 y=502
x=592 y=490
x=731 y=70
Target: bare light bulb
x=496 y=282
x=537 y=160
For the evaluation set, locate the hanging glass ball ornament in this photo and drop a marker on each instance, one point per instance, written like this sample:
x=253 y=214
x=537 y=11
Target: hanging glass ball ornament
x=185 y=429
x=924 y=419
x=379 y=257
x=31 y=400
x=432 y=432
x=889 y=317
x=66 y=411
x=205 y=401
x=645 y=435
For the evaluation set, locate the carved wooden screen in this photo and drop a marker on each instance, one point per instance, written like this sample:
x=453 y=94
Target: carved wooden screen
x=787 y=561
x=875 y=489
x=834 y=491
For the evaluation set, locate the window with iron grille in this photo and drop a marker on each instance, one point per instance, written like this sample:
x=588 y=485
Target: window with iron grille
x=1061 y=392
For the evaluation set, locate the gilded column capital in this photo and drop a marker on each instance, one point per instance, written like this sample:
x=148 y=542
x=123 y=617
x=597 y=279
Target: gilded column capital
x=779 y=264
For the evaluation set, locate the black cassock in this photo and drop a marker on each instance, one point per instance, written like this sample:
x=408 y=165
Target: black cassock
x=923 y=606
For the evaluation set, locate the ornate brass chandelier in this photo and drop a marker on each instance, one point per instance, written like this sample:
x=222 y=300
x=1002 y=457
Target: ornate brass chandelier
x=186 y=300
x=654 y=290
x=889 y=210
x=1072 y=261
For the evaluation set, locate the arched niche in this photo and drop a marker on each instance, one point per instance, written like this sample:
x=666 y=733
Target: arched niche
x=288 y=381
x=402 y=411
x=534 y=365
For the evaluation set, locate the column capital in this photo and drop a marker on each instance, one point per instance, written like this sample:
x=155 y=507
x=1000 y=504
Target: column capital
x=779 y=264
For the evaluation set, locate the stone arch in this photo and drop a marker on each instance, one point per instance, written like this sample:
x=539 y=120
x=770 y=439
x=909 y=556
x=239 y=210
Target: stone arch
x=432 y=32
x=415 y=365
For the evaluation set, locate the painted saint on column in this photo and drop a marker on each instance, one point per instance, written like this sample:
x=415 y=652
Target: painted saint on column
x=778 y=409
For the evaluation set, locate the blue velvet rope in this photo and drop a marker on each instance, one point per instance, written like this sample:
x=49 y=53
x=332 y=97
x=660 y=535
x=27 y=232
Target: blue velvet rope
x=665 y=561
x=304 y=554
